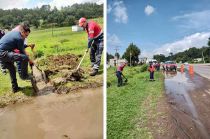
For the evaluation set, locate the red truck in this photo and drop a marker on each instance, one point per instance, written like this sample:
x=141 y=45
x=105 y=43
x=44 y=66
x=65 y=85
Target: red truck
x=169 y=65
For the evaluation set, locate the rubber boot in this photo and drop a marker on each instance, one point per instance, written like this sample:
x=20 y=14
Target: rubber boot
x=94 y=72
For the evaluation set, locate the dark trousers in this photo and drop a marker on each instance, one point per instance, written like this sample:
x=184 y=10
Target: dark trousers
x=2 y=65
x=119 y=77
x=19 y=63
x=96 y=52
x=152 y=75
x=8 y=59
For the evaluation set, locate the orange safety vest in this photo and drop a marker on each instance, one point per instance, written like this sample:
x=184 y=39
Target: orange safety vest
x=151 y=69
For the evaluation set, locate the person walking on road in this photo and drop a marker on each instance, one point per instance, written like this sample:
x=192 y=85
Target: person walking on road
x=9 y=42
x=95 y=43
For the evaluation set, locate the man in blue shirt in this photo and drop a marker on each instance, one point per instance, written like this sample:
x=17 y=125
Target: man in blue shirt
x=2 y=33
x=9 y=42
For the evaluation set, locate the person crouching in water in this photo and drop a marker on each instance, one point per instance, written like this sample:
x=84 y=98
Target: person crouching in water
x=151 y=69
x=119 y=74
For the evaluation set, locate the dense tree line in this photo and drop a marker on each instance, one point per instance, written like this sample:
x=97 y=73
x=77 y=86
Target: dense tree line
x=47 y=16
x=188 y=55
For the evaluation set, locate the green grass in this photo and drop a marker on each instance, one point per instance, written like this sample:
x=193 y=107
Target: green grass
x=128 y=106
x=63 y=41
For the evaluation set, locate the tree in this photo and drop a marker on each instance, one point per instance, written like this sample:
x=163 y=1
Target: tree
x=46 y=15
x=160 y=57
x=70 y=20
x=209 y=42
x=117 y=55
x=132 y=54
x=109 y=56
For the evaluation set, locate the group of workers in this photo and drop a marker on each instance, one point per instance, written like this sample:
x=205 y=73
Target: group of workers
x=120 y=75
x=12 y=49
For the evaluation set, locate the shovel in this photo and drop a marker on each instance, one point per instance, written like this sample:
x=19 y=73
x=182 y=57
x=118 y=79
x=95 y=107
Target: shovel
x=126 y=80
x=75 y=74
x=81 y=60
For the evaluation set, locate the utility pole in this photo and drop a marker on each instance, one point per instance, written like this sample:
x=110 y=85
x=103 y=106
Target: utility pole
x=203 y=58
x=52 y=29
x=116 y=49
x=130 y=58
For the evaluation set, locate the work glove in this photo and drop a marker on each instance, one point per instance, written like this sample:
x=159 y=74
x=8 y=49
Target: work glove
x=32 y=46
x=87 y=50
x=90 y=42
x=31 y=63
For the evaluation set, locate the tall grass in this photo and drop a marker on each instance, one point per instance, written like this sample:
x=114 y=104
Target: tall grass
x=126 y=105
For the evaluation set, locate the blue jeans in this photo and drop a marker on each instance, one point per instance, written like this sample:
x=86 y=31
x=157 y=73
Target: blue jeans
x=119 y=77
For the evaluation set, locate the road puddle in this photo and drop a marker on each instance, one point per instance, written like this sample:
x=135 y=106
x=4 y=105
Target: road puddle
x=179 y=89
x=53 y=116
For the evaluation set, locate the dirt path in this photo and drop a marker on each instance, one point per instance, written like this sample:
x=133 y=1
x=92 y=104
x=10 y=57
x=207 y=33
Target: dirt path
x=53 y=116
x=189 y=100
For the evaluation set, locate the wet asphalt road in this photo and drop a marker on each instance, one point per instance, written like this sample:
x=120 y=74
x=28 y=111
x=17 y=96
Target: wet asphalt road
x=189 y=99
x=203 y=70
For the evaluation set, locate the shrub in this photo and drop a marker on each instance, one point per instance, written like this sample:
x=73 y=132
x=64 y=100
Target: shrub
x=144 y=68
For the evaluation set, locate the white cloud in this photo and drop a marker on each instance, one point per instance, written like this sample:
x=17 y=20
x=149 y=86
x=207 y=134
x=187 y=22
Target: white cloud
x=198 y=21
x=146 y=54
x=149 y=10
x=39 y=4
x=60 y=3
x=119 y=11
x=113 y=40
x=109 y=9
x=10 y=4
x=195 y=40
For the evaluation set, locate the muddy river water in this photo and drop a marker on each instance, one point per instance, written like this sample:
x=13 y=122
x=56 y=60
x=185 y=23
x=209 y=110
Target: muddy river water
x=72 y=116
x=189 y=98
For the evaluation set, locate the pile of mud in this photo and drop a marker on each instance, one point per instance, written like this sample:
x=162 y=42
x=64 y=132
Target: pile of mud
x=58 y=71
x=59 y=62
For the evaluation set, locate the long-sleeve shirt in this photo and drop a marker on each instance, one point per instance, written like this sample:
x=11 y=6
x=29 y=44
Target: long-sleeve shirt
x=120 y=68
x=11 y=41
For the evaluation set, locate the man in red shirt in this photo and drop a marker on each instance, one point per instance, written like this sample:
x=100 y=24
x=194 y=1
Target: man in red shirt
x=151 y=70
x=119 y=74
x=95 y=42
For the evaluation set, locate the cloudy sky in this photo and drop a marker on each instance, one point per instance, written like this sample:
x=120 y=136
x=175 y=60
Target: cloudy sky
x=10 y=4
x=158 y=26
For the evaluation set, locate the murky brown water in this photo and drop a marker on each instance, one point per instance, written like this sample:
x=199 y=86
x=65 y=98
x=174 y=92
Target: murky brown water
x=75 y=116
x=183 y=91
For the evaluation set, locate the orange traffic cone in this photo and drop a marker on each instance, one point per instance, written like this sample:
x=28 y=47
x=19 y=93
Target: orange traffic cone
x=191 y=71
x=182 y=68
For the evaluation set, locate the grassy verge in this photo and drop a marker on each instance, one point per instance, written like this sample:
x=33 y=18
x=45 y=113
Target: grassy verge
x=128 y=106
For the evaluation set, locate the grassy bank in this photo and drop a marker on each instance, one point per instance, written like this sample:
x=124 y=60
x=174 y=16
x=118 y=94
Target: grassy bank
x=63 y=41
x=128 y=106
